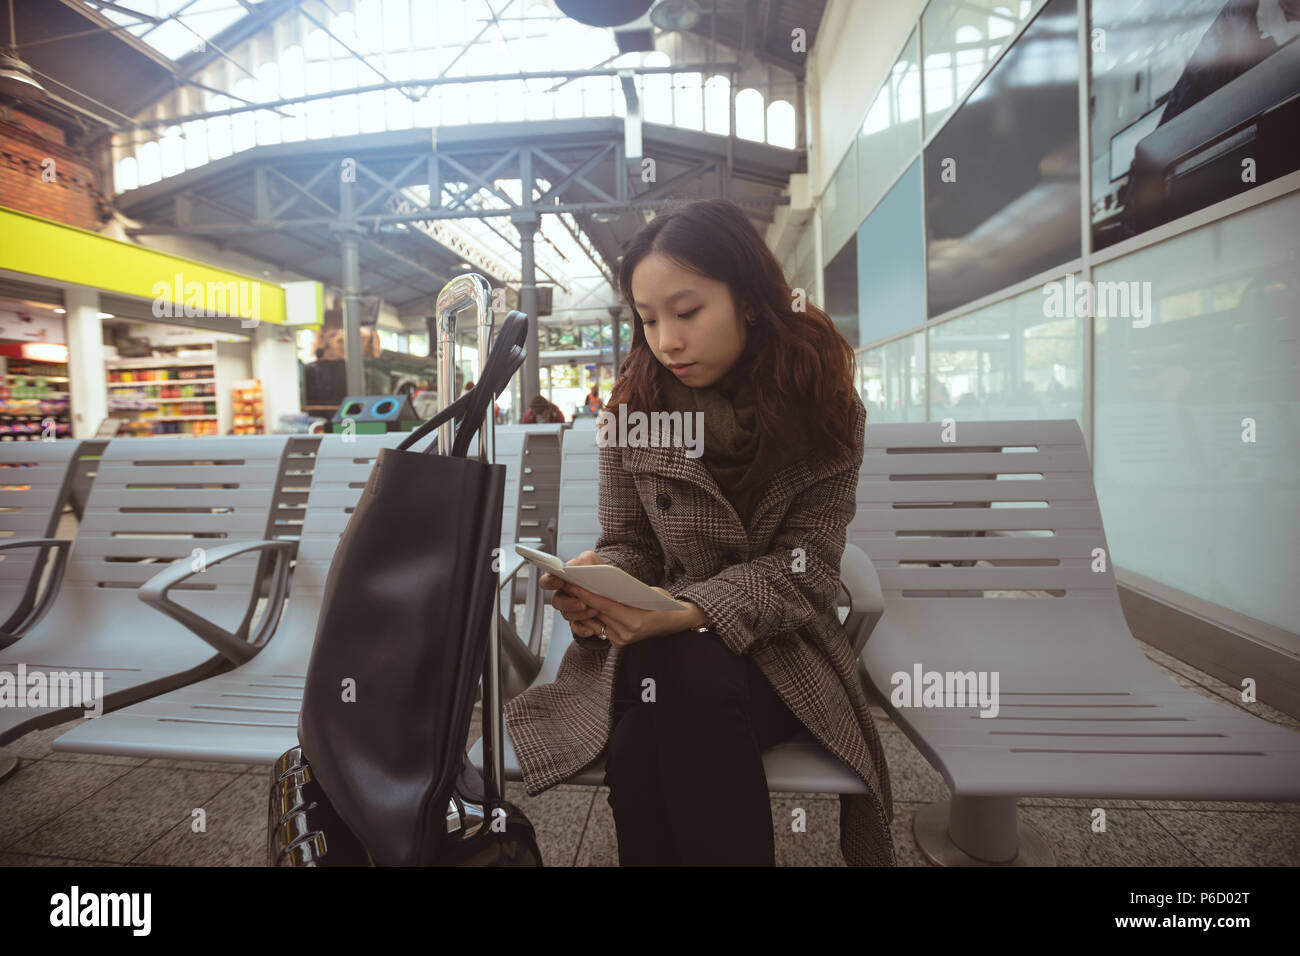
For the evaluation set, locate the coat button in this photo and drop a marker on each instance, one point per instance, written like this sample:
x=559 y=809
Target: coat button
x=732 y=557
x=678 y=567
x=663 y=501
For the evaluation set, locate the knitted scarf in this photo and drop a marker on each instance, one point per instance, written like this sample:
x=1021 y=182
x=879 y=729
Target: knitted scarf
x=735 y=452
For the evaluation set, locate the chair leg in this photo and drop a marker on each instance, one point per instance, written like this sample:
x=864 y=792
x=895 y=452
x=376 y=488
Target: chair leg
x=8 y=766
x=979 y=831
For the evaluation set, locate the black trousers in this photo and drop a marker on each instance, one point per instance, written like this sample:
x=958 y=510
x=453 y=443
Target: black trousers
x=684 y=768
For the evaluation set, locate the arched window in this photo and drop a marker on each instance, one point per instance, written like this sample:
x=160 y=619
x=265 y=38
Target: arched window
x=219 y=129
x=172 y=152
x=196 y=143
x=780 y=124
x=319 y=113
x=657 y=91
x=343 y=109
x=128 y=174
x=688 y=101
x=749 y=114
x=150 y=163
x=717 y=105
x=293 y=82
x=292 y=72
x=317 y=46
x=242 y=125
x=268 y=123
x=343 y=26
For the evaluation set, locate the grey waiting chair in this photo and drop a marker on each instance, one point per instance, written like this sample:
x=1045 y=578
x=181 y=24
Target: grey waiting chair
x=1081 y=710
x=153 y=500
x=539 y=493
x=36 y=479
x=250 y=714
x=83 y=473
x=35 y=482
x=798 y=765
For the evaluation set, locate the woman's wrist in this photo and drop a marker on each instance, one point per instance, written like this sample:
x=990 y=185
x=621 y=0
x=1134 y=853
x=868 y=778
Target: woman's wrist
x=689 y=619
x=697 y=617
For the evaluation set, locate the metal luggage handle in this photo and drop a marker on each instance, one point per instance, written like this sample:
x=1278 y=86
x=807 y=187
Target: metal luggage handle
x=458 y=295
x=494 y=375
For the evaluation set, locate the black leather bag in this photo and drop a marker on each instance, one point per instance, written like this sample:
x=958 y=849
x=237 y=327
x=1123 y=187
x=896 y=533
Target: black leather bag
x=381 y=775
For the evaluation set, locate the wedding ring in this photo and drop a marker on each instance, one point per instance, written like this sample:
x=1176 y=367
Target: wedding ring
x=602 y=633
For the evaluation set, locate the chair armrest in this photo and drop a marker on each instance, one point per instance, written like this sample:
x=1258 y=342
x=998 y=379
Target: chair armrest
x=154 y=593
x=27 y=614
x=64 y=543
x=866 y=602
x=510 y=565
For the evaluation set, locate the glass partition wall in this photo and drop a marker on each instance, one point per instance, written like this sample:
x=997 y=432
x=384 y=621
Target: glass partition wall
x=1064 y=209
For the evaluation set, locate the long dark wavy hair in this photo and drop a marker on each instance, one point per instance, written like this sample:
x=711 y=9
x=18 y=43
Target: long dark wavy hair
x=800 y=365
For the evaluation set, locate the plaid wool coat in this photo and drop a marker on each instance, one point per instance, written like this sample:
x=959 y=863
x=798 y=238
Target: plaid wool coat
x=665 y=521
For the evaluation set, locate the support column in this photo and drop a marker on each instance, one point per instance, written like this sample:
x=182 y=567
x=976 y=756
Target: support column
x=87 y=391
x=351 y=289
x=800 y=116
x=532 y=380
x=615 y=313
x=352 y=315
x=516 y=399
x=275 y=363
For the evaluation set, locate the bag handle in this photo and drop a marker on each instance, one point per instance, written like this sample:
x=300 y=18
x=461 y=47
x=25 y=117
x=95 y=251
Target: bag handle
x=500 y=367
x=506 y=356
x=456 y=409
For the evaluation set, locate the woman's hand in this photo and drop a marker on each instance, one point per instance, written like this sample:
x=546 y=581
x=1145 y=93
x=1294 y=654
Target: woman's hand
x=588 y=614
x=577 y=612
x=626 y=625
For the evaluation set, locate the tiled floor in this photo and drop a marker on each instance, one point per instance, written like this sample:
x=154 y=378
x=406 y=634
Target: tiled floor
x=71 y=809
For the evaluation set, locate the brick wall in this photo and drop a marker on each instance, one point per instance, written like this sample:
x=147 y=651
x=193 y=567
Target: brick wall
x=73 y=198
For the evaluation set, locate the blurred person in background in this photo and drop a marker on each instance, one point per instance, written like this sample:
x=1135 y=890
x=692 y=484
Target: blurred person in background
x=542 y=412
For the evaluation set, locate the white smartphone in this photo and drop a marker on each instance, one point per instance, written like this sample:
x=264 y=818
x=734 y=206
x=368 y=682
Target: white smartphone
x=603 y=579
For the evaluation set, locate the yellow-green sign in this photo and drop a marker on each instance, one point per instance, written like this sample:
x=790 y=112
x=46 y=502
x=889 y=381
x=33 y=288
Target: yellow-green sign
x=176 y=286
